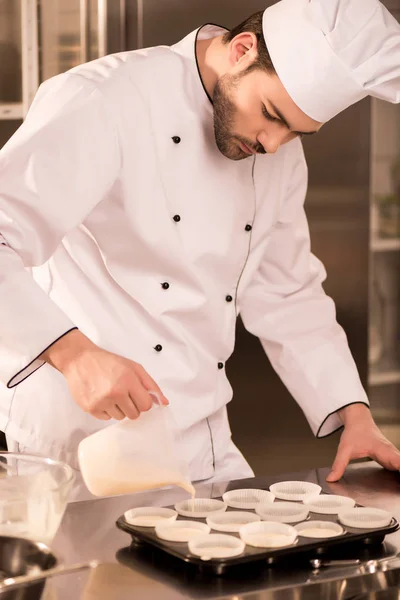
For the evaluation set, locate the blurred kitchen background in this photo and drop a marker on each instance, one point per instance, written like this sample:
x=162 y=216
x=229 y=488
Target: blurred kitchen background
x=353 y=206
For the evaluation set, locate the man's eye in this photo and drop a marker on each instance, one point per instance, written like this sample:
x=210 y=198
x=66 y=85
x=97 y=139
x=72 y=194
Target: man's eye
x=267 y=115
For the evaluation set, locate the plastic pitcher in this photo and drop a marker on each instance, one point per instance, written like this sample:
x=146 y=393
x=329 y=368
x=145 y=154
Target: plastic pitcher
x=134 y=455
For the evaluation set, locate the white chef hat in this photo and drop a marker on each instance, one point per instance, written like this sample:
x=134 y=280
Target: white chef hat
x=330 y=54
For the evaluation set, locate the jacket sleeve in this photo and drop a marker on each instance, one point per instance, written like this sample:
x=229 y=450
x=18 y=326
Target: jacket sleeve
x=286 y=307
x=55 y=169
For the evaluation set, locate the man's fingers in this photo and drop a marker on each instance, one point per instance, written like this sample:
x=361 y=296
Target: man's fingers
x=395 y=460
x=124 y=393
x=149 y=383
x=121 y=406
x=115 y=412
x=129 y=407
x=388 y=457
x=339 y=466
x=140 y=397
x=101 y=414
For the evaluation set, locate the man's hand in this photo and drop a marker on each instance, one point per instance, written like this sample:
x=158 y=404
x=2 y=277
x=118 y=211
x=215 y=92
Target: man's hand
x=102 y=383
x=362 y=438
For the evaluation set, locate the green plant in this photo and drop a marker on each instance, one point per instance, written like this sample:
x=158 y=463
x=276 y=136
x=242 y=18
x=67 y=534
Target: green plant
x=387 y=199
x=395 y=172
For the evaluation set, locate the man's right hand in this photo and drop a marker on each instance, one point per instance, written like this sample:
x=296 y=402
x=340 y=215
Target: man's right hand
x=102 y=383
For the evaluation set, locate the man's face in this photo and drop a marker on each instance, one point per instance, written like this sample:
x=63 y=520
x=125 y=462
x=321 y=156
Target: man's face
x=253 y=114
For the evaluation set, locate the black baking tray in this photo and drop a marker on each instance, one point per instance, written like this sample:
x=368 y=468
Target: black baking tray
x=303 y=546
x=200 y=583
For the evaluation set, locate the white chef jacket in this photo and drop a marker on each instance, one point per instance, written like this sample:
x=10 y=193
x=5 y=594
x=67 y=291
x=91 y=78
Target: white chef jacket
x=139 y=232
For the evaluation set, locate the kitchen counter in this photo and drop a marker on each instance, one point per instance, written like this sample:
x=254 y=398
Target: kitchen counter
x=88 y=531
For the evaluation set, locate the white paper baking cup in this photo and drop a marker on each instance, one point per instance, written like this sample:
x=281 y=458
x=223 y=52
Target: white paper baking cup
x=283 y=512
x=247 y=498
x=268 y=534
x=150 y=516
x=365 y=518
x=319 y=529
x=328 y=504
x=294 y=490
x=231 y=521
x=216 y=545
x=199 y=508
x=181 y=531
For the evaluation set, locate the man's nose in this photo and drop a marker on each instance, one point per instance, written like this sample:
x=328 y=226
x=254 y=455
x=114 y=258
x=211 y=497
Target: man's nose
x=271 y=141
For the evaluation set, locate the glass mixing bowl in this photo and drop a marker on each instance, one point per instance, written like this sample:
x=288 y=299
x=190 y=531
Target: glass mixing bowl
x=33 y=495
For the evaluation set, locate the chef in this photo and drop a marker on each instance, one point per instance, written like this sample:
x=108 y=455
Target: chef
x=152 y=196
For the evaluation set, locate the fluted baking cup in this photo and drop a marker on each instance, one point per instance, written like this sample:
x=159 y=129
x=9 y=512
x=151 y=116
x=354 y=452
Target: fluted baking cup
x=327 y=504
x=283 y=512
x=268 y=534
x=181 y=531
x=216 y=545
x=319 y=529
x=199 y=508
x=149 y=516
x=231 y=521
x=365 y=518
x=294 y=490
x=247 y=498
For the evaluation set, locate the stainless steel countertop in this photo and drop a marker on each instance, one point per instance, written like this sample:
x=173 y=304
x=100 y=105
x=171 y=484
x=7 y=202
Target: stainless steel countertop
x=88 y=531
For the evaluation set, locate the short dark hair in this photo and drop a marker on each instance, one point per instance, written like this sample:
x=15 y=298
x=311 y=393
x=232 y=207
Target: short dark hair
x=254 y=25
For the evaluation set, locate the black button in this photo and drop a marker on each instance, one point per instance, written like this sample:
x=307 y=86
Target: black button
x=248 y=228
x=176 y=139
x=228 y=298
x=177 y=218
x=158 y=347
x=220 y=365
x=165 y=285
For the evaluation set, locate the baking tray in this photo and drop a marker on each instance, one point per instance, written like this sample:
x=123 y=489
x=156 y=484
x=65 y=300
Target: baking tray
x=302 y=548
x=200 y=583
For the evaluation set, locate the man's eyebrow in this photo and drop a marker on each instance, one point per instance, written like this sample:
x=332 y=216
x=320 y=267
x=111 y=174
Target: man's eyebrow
x=284 y=121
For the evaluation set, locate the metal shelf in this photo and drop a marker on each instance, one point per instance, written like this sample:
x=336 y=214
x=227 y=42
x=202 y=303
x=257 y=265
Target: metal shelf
x=385 y=245
x=384 y=378
x=386 y=372
x=11 y=112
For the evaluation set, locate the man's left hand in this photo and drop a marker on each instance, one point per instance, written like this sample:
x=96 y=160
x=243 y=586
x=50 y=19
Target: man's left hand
x=362 y=438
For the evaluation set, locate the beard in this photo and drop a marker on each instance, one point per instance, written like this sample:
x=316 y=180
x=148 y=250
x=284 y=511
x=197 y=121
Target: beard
x=224 y=117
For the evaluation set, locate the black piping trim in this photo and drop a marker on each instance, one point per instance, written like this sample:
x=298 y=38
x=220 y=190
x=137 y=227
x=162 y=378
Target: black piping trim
x=321 y=437
x=250 y=236
x=10 y=385
x=195 y=56
x=212 y=444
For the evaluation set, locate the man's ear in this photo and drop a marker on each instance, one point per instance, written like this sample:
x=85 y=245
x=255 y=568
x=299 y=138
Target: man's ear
x=243 y=49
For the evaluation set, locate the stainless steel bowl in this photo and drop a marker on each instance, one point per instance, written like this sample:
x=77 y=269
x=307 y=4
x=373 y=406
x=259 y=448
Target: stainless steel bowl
x=21 y=557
